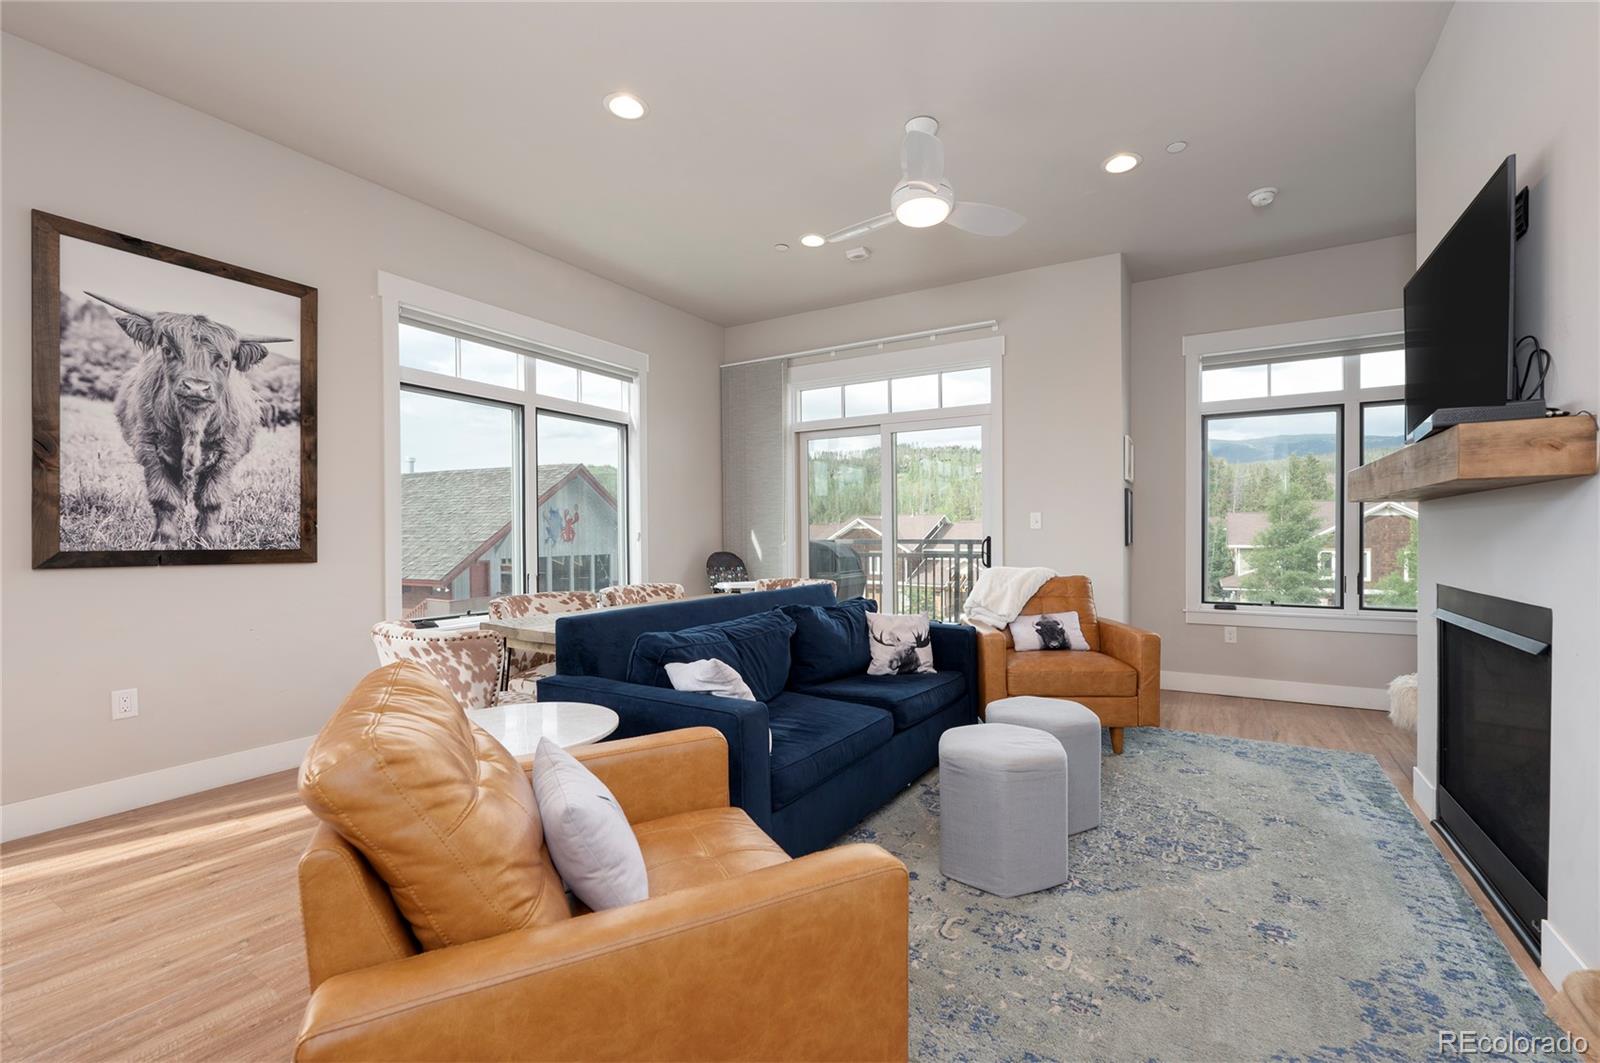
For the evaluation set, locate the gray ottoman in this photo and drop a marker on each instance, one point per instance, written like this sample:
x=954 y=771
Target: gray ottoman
x=1002 y=808
x=1078 y=731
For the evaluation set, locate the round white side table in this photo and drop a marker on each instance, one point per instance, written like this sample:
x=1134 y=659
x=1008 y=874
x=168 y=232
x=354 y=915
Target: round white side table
x=519 y=725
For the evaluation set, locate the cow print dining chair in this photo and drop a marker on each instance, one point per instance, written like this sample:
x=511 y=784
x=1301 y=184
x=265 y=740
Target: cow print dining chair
x=529 y=666
x=778 y=583
x=468 y=662
x=640 y=594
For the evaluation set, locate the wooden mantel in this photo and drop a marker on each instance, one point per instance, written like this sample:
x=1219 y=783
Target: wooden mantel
x=1479 y=457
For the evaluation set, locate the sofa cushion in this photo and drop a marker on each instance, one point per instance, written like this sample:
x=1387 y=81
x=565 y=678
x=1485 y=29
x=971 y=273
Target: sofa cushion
x=1067 y=675
x=830 y=641
x=910 y=699
x=757 y=646
x=706 y=845
x=813 y=739
x=440 y=810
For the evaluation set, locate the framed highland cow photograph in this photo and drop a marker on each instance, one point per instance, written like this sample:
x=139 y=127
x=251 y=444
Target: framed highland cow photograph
x=174 y=405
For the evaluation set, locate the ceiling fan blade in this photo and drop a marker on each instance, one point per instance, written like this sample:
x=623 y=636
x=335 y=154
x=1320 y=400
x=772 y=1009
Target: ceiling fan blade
x=922 y=158
x=982 y=219
x=850 y=232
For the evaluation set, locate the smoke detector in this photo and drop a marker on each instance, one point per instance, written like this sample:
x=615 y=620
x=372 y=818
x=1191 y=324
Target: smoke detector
x=1263 y=197
x=858 y=254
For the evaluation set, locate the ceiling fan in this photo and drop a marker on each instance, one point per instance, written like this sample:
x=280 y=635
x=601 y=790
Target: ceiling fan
x=923 y=198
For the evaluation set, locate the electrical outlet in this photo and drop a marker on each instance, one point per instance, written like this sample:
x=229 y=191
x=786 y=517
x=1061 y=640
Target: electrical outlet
x=1036 y=520
x=1230 y=635
x=124 y=703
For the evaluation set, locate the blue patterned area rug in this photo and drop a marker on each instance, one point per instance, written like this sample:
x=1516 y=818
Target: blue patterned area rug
x=1239 y=901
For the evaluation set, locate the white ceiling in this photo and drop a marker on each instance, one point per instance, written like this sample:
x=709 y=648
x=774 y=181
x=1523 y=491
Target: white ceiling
x=769 y=120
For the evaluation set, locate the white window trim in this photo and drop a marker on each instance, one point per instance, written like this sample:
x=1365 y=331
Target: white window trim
x=986 y=351
x=397 y=294
x=1238 y=345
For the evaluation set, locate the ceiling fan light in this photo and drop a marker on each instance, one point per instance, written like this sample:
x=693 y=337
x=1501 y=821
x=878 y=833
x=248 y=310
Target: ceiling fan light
x=813 y=240
x=921 y=212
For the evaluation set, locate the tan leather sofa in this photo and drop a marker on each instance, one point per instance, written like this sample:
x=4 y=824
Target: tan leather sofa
x=1119 y=678
x=739 y=953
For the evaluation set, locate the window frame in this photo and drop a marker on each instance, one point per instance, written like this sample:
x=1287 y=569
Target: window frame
x=430 y=307
x=1348 y=336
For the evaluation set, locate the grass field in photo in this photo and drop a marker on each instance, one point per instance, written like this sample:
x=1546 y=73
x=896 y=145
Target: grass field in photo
x=103 y=501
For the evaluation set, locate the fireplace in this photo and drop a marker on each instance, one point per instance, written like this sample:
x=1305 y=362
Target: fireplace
x=1494 y=749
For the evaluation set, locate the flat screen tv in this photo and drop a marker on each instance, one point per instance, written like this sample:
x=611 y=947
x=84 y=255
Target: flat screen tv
x=1458 y=315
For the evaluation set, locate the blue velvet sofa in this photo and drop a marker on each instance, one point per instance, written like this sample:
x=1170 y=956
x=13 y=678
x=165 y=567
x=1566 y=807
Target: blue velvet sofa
x=840 y=747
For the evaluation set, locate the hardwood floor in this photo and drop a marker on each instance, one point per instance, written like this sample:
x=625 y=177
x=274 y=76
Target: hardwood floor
x=173 y=932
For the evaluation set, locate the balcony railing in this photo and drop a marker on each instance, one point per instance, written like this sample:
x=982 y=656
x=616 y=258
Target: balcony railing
x=931 y=576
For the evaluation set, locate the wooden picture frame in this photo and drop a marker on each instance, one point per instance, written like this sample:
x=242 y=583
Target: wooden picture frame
x=157 y=483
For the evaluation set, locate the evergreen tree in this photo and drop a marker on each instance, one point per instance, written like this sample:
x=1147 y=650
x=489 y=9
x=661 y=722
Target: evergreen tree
x=1311 y=476
x=1219 y=559
x=1219 y=484
x=1284 y=563
x=1260 y=484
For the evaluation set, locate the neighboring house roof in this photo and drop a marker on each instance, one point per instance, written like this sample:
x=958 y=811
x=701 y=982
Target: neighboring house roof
x=1244 y=527
x=450 y=517
x=912 y=528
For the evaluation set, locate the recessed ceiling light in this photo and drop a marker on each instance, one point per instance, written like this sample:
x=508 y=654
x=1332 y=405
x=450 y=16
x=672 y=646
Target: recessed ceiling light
x=812 y=240
x=1121 y=162
x=780 y=247
x=1176 y=146
x=625 y=105
x=1263 y=197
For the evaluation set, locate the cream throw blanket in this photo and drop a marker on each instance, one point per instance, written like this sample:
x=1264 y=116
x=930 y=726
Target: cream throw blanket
x=1002 y=592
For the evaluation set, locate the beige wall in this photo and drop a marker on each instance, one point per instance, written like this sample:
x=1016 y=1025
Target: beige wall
x=1537 y=543
x=1064 y=399
x=229 y=658
x=1342 y=280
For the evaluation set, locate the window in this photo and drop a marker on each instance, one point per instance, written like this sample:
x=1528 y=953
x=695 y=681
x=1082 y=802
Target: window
x=460 y=495
x=1271 y=494
x=1279 y=416
x=896 y=492
x=1388 y=529
x=514 y=456
x=897 y=394
x=582 y=468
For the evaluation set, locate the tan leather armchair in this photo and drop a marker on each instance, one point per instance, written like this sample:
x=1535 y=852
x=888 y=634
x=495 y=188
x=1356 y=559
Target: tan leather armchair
x=739 y=953
x=1119 y=678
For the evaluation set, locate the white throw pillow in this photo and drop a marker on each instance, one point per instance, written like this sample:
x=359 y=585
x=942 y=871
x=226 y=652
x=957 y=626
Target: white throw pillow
x=1048 y=631
x=900 y=645
x=587 y=832
x=710 y=675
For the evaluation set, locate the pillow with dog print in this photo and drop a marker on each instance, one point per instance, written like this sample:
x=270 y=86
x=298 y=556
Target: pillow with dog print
x=1048 y=631
x=900 y=645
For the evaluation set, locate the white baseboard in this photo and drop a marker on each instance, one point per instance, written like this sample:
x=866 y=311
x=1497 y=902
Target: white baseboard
x=37 y=815
x=1425 y=794
x=1557 y=958
x=1278 y=690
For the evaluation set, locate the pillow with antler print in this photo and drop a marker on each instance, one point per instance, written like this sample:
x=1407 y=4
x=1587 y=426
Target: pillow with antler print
x=900 y=645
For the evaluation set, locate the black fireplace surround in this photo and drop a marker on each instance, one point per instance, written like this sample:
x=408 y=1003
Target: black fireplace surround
x=1494 y=749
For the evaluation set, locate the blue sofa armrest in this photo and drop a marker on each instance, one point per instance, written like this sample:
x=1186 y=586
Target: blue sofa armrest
x=955 y=649
x=651 y=710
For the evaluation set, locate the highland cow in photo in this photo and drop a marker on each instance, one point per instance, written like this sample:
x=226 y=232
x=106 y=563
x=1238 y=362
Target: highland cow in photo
x=188 y=413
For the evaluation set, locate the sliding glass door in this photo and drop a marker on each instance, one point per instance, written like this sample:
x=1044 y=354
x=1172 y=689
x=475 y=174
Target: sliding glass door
x=940 y=535
x=938 y=486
